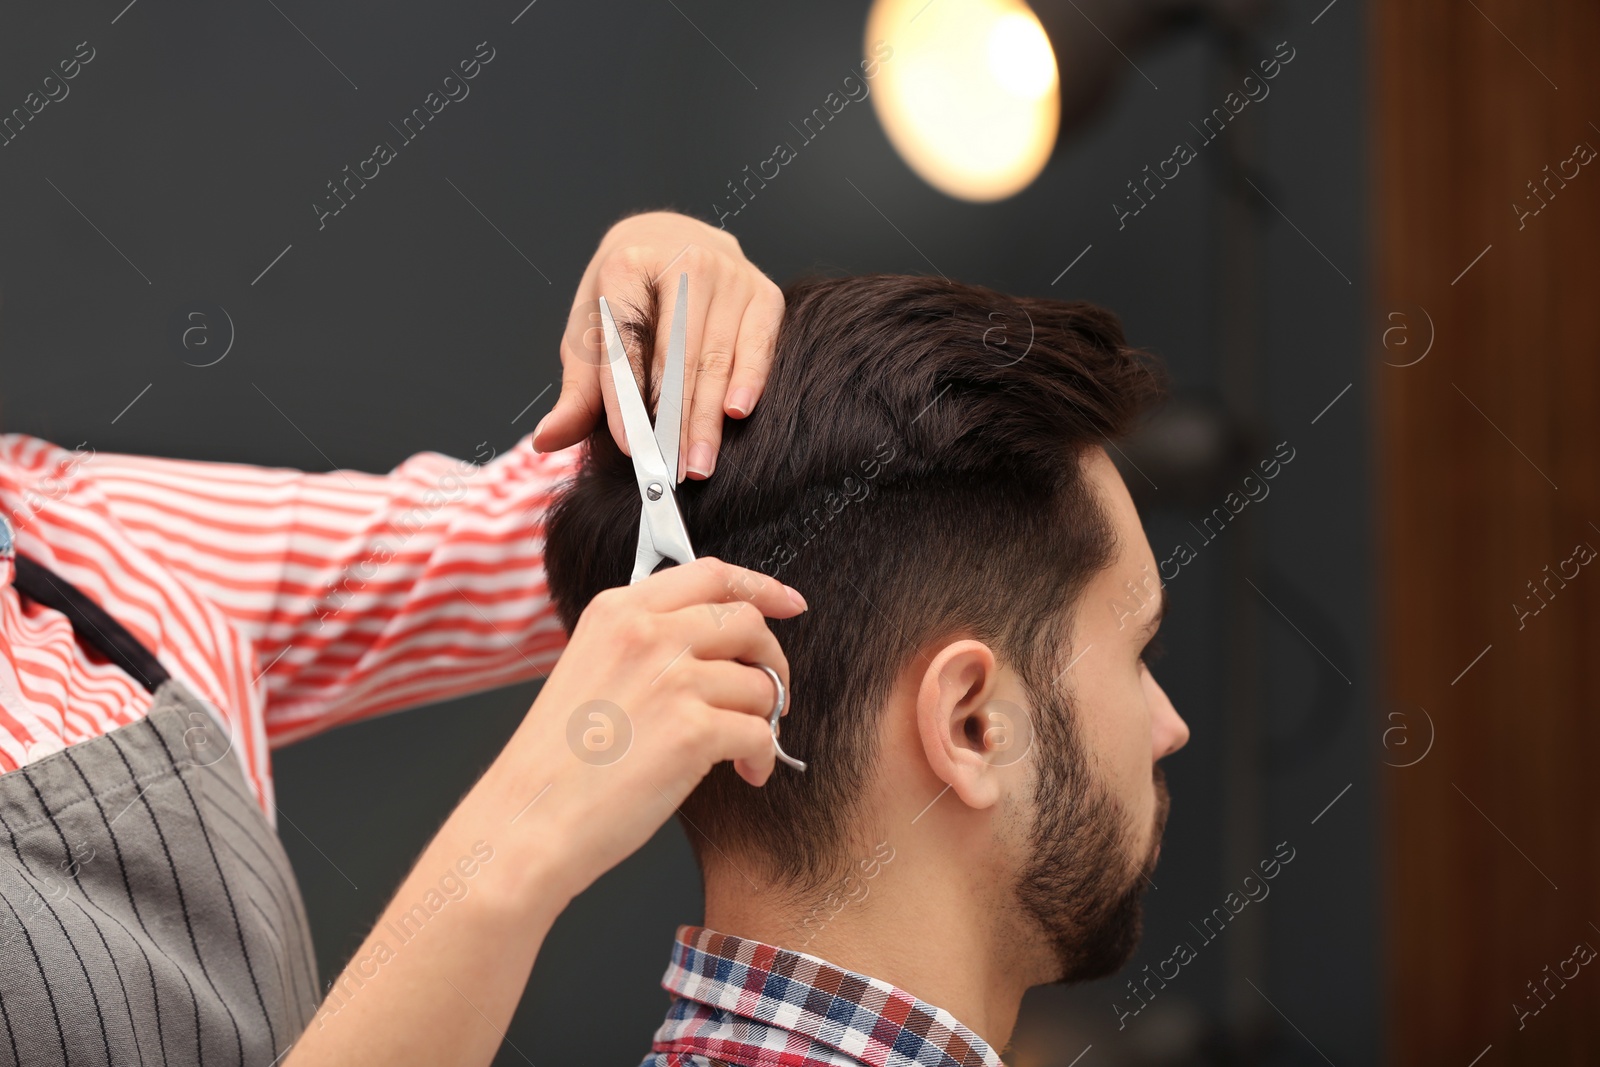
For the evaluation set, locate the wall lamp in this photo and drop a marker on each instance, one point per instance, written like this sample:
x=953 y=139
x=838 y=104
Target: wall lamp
x=978 y=92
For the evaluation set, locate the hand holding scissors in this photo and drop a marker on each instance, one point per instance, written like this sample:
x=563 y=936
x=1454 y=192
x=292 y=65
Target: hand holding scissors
x=732 y=322
x=654 y=450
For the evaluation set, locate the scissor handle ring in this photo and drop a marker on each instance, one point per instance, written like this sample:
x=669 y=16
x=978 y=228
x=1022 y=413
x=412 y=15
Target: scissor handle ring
x=777 y=713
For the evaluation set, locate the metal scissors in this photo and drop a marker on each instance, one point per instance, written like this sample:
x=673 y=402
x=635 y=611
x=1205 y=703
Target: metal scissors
x=654 y=450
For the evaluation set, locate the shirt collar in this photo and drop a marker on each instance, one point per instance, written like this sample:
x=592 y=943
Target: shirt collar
x=744 y=1001
x=8 y=529
x=8 y=549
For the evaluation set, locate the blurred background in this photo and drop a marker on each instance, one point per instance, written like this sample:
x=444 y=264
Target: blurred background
x=1375 y=257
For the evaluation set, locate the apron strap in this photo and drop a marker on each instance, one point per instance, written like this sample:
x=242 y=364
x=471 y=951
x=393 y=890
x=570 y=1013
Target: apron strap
x=90 y=622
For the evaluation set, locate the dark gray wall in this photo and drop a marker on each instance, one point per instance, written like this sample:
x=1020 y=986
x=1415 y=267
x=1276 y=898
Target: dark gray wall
x=426 y=316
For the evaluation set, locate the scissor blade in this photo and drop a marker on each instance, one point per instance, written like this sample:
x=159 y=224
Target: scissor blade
x=661 y=531
x=645 y=558
x=669 y=409
x=648 y=464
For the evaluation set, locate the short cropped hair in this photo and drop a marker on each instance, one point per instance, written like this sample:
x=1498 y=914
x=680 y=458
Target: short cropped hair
x=914 y=468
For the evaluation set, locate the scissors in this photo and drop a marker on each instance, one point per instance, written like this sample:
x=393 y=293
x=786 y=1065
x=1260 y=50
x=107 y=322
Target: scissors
x=654 y=450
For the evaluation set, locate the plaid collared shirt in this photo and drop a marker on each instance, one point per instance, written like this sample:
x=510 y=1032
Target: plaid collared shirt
x=749 y=1004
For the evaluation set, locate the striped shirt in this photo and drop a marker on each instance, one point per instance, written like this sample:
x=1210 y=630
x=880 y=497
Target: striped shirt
x=750 y=1004
x=289 y=602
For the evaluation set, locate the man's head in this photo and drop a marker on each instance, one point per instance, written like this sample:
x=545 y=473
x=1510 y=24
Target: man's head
x=926 y=468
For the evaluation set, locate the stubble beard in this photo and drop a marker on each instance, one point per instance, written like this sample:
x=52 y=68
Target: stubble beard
x=1082 y=884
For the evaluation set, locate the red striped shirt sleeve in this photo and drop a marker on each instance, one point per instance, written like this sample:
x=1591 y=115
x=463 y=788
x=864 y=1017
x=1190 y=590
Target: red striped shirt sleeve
x=360 y=593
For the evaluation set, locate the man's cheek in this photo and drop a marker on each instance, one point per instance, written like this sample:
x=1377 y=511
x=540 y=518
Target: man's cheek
x=1116 y=733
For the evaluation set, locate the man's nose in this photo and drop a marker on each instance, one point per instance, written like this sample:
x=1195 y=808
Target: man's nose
x=1170 y=731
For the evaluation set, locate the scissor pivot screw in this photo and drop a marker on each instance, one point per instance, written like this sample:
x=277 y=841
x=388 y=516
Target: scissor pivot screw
x=653 y=490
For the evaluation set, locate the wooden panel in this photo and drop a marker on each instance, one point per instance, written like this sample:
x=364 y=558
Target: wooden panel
x=1488 y=463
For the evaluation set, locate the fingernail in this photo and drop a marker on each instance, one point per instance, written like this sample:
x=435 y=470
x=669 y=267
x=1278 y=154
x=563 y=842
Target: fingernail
x=741 y=400
x=539 y=427
x=701 y=459
x=799 y=601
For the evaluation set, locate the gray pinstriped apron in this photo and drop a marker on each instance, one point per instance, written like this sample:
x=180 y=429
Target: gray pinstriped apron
x=148 y=914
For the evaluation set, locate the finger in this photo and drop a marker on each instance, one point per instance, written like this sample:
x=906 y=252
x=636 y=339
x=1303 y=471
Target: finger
x=719 y=335
x=724 y=684
x=748 y=742
x=701 y=267
x=713 y=633
x=709 y=580
x=754 y=350
x=577 y=410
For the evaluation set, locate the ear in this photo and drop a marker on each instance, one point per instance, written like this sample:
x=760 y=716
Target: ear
x=954 y=721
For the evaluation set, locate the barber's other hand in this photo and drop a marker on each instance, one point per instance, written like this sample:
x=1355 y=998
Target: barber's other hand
x=734 y=313
x=651 y=692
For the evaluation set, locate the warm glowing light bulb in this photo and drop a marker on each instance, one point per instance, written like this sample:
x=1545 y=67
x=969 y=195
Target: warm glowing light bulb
x=1020 y=58
x=970 y=96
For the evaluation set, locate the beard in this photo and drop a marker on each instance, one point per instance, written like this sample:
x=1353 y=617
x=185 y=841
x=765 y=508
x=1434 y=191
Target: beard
x=1083 y=883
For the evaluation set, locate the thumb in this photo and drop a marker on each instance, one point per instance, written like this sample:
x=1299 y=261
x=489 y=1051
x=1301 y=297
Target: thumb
x=577 y=410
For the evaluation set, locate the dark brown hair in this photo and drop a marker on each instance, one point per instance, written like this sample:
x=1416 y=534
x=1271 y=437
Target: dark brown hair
x=914 y=469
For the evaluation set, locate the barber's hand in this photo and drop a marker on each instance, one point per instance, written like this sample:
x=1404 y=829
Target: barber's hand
x=652 y=690
x=734 y=312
